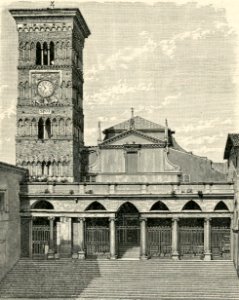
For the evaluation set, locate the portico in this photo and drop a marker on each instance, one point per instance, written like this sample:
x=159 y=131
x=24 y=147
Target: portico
x=152 y=235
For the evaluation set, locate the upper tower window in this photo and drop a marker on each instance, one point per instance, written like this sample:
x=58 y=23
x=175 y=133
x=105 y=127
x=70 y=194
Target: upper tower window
x=45 y=54
x=52 y=53
x=38 y=53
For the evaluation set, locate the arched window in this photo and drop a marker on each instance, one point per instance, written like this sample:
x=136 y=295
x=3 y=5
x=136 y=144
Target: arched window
x=95 y=206
x=20 y=126
x=49 y=168
x=52 y=54
x=48 y=128
x=61 y=127
x=68 y=126
x=32 y=52
x=43 y=168
x=191 y=205
x=221 y=206
x=54 y=128
x=42 y=204
x=41 y=129
x=45 y=54
x=26 y=127
x=33 y=127
x=38 y=53
x=159 y=206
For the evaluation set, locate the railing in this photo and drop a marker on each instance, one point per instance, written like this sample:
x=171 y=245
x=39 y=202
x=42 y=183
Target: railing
x=171 y=189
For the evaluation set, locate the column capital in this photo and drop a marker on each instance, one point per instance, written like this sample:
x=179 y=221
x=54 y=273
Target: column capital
x=143 y=219
x=175 y=219
x=65 y=219
x=111 y=219
x=207 y=219
x=81 y=219
x=51 y=218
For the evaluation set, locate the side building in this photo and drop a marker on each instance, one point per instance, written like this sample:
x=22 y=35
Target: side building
x=10 y=178
x=232 y=155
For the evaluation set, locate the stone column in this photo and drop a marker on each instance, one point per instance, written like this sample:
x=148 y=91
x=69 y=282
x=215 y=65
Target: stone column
x=207 y=239
x=78 y=239
x=48 y=55
x=175 y=254
x=112 y=239
x=143 y=238
x=65 y=237
x=51 y=251
x=42 y=56
x=231 y=239
x=30 y=236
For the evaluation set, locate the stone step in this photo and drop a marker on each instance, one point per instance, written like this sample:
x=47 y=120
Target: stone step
x=121 y=279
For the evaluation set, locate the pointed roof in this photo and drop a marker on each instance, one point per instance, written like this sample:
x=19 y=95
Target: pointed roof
x=140 y=124
x=133 y=132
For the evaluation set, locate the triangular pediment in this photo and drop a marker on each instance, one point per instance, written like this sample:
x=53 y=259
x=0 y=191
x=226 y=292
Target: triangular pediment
x=132 y=137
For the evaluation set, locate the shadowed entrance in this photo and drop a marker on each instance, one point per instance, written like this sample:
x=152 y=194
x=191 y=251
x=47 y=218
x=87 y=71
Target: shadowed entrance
x=128 y=231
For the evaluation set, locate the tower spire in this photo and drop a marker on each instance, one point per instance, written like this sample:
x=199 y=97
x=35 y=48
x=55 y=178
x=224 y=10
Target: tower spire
x=99 y=133
x=166 y=134
x=132 y=127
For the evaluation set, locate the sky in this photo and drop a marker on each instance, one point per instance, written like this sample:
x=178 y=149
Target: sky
x=167 y=59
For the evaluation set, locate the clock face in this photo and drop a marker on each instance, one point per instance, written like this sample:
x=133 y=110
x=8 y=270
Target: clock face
x=45 y=88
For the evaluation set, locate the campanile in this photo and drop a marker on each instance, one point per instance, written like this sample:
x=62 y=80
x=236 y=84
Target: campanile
x=50 y=119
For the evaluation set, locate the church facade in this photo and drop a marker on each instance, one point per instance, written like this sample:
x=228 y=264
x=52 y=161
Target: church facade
x=137 y=194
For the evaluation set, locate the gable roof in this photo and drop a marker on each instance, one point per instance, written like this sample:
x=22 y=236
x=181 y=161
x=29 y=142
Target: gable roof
x=134 y=132
x=232 y=141
x=140 y=124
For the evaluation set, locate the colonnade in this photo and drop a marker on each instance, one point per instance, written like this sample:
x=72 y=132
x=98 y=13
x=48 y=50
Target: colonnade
x=70 y=238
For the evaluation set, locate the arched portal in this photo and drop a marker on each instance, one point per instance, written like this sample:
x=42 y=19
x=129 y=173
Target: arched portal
x=43 y=233
x=128 y=231
x=221 y=237
x=191 y=238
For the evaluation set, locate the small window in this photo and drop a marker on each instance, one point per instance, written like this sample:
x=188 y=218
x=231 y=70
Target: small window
x=45 y=54
x=52 y=53
x=2 y=201
x=131 y=162
x=41 y=129
x=38 y=53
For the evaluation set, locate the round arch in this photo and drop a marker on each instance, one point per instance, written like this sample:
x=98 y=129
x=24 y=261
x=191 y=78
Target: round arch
x=42 y=204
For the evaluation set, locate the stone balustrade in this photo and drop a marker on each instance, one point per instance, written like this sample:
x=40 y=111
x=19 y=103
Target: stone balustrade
x=171 y=189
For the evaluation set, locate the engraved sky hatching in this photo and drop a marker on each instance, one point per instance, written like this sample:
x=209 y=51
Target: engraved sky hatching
x=167 y=60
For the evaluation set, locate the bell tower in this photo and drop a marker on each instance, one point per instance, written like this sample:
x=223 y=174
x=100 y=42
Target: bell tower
x=50 y=119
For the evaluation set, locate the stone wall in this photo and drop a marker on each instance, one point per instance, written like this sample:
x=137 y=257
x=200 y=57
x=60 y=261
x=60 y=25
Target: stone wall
x=9 y=217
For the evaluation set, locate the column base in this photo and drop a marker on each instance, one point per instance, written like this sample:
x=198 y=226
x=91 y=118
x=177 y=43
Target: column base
x=143 y=257
x=207 y=256
x=81 y=255
x=113 y=257
x=74 y=255
x=50 y=254
x=175 y=256
x=57 y=255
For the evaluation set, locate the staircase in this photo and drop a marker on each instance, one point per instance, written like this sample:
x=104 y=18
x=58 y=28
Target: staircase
x=121 y=279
